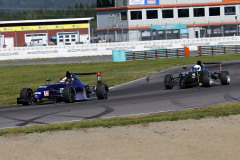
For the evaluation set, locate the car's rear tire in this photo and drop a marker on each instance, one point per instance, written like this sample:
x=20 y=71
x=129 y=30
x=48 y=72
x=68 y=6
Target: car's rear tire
x=102 y=91
x=69 y=94
x=207 y=80
x=26 y=94
x=225 y=78
x=168 y=81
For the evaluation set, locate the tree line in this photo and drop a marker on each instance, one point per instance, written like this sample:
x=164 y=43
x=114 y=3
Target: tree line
x=78 y=11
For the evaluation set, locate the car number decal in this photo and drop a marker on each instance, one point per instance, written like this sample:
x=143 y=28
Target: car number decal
x=46 y=93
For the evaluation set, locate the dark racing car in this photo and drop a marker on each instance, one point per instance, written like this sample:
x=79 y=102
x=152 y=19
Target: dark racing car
x=69 y=89
x=197 y=76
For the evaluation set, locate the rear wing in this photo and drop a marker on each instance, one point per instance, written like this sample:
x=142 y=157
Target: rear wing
x=99 y=75
x=219 y=64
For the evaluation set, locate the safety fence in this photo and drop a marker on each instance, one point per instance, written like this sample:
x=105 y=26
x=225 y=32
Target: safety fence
x=97 y=49
x=215 y=50
x=155 y=53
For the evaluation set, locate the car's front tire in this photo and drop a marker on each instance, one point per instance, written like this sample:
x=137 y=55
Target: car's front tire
x=69 y=94
x=168 y=81
x=225 y=78
x=102 y=91
x=207 y=80
x=27 y=95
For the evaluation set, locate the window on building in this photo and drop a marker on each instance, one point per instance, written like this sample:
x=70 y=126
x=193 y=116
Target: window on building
x=68 y=37
x=73 y=38
x=209 y=31
x=105 y=3
x=214 y=11
x=230 y=10
x=183 y=13
x=123 y=16
x=135 y=15
x=152 y=14
x=199 y=12
x=217 y=31
x=168 y=13
x=175 y=31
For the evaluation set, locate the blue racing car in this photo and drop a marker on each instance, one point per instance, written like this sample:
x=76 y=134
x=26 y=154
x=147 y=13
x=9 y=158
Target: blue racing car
x=69 y=89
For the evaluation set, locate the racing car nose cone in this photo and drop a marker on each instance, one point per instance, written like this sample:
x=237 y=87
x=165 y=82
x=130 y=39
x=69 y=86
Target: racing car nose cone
x=38 y=95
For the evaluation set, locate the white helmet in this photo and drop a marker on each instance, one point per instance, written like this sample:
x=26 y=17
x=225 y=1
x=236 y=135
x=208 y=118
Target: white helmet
x=197 y=68
x=63 y=79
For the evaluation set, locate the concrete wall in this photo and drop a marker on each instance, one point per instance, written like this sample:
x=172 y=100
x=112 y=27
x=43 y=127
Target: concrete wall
x=106 y=48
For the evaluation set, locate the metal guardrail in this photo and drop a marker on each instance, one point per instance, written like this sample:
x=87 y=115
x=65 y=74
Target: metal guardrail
x=158 y=53
x=216 y=50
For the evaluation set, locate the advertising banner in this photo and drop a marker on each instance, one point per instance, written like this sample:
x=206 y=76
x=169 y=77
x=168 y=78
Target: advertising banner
x=143 y=2
x=136 y=2
x=169 y=27
x=46 y=27
x=151 y=2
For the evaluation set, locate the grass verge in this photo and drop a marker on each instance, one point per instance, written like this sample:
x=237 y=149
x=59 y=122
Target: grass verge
x=219 y=110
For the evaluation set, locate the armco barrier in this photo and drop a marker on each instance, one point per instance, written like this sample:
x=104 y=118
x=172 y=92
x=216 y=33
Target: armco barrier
x=215 y=50
x=157 y=53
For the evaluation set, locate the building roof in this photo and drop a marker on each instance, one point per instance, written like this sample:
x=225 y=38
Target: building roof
x=46 y=20
x=232 y=2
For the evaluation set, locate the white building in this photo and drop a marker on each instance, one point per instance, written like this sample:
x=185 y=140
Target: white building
x=139 y=20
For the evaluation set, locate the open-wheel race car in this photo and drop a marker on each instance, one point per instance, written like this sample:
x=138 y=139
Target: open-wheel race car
x=69 y=89
x=197 y=76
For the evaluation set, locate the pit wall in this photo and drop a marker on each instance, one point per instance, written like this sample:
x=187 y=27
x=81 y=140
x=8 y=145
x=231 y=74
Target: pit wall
x=97 y=49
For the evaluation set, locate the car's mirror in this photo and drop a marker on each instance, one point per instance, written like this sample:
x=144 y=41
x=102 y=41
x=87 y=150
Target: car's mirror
x=47 y=81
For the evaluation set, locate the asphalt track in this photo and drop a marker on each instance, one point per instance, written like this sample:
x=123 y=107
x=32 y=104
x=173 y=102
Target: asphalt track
x=146 y=95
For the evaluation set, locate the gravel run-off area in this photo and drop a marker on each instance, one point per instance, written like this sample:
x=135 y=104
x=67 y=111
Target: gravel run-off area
x=204 y=139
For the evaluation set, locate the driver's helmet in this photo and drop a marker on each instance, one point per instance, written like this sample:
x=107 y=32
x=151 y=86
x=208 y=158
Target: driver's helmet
x=197 y=68
x=63 y=79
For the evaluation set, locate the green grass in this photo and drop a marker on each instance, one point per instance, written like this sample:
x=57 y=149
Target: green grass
x=14 y=78
x=220 y=110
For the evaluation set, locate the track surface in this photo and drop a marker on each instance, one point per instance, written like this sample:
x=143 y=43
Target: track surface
x=146 y=95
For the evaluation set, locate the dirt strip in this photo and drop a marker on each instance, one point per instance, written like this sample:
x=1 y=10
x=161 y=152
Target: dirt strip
x=211 y=138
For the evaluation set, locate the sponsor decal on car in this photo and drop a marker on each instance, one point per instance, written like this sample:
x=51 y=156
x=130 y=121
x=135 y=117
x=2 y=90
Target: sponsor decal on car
x=61 y=90
x=43 y=87
x=193 y=75
x=46 y=93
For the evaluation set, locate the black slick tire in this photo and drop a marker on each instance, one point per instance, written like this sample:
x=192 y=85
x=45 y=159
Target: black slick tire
x=225 y=78
x=27 y=95
x=69 y=94
x=168 y=81
x=102 y=91
x=206 y=80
